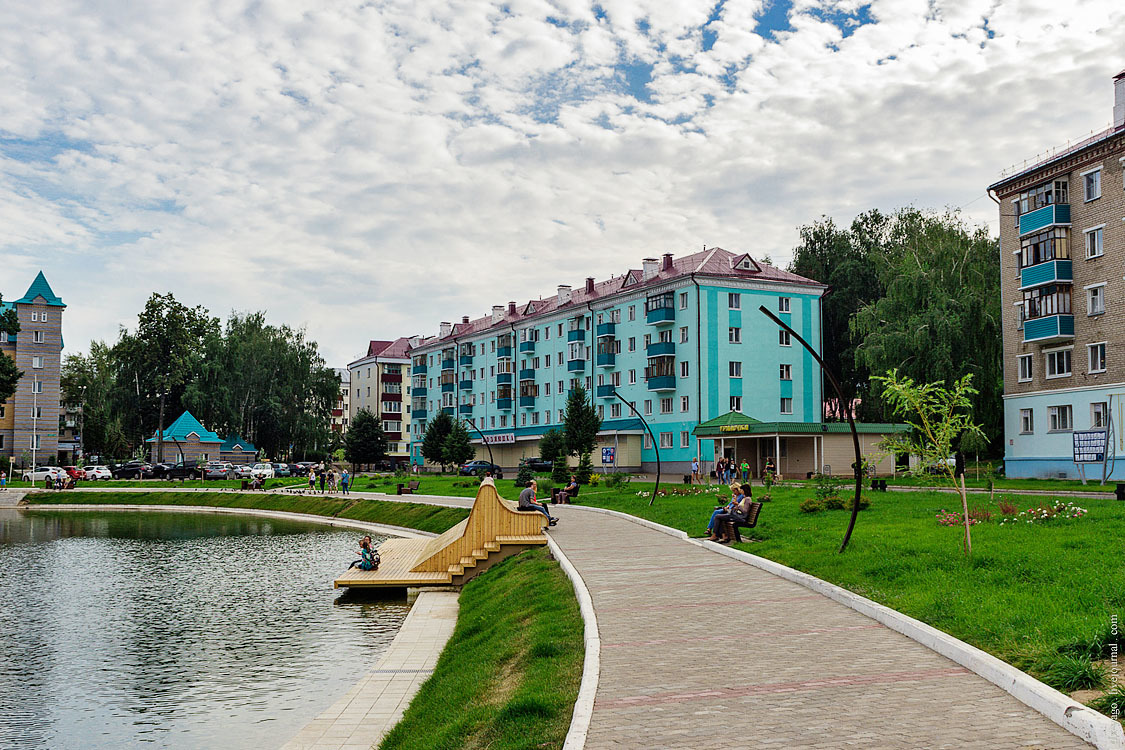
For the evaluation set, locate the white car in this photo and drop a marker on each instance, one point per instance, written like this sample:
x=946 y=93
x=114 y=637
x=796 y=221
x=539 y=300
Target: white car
x=243 y=471
x=98 y=472
x=262 y=471
x=42 y=472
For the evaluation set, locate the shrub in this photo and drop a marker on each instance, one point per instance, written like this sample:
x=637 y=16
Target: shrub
x=864 y=502
x=812 y=505
x=613 y=481
x=1071 y=673
x=834 y=502
x=827 y=487
x=582 y=473
x=980 y=515
x=524 y=475
x=1008 y=509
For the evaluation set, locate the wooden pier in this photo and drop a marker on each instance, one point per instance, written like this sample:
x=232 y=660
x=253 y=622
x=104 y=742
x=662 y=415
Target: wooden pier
x=493 y=531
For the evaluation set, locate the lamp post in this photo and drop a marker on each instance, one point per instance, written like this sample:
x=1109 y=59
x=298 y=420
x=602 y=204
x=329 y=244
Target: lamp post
x=34 y=421
x=858 y=465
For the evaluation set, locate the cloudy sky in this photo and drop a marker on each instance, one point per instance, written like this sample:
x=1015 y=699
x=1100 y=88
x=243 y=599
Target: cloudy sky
x=368 y=169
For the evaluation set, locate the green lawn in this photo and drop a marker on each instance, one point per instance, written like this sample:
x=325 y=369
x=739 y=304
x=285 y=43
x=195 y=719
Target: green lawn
x=509 y=676
x=1000 y=483
x=1030 y=594
x=211 y=484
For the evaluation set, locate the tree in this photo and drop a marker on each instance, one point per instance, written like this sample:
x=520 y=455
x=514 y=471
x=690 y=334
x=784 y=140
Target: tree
x=366 y=442
x=584 y=470
x=456 y=448
x=940 y=417
x=433 y=442
x=581 y=423
x=552 y=447
x=9 y=373
x=524 y=475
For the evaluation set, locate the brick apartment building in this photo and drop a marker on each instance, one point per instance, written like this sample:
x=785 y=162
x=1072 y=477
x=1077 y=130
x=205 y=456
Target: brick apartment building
x=380 y=382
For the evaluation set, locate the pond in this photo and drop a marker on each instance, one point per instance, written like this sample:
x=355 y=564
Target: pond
x=149 y=629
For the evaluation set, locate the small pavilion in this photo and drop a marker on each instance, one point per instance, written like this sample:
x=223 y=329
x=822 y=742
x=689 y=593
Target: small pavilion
x=187 y=440
x=237 y=451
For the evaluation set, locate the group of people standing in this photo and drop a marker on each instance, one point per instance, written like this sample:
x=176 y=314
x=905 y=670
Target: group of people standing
x=328 y=476
x=729 y=471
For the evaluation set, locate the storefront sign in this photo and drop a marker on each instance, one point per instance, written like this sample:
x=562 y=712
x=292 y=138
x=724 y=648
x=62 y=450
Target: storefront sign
x=502 y=438
x=734 y=428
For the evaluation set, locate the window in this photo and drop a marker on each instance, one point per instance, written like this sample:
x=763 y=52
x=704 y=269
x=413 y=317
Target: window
x=1095 y=299
x=36 y=442
x=37 y=363
x=2 y=411
x=683 y=300
x=648 y=439
x=1096 y=357
x=735 y=369
x=615 y=410
x=1094 y=247
x=783 y=338
x=685 y=403
x=734 y=301
x=1051 y=299
x=1043 y=195
x=37 y=386
x=492 y=421
x=632 y=343
x=648 y=340
x=1058 y=363
x=648 y=407
x=685 y=439
x=786 y=372
x=1059 y=418
x=633 y=316
x=685 y=369
x=632 y=377
x=786 y=406
x=666 y=405
x=1027 y=422
x=683 y=335
x=1092 y=184
x=1099 y=416
x=547 y=417
x=523 y=420
x=1043 y=246
x=734 y=335
x=1020 y=316
x=34 y=315
x=736 y=403
x=783 y=304
x=665 y=440
x=560 y=390
x=1025 y=372
x=37 y=337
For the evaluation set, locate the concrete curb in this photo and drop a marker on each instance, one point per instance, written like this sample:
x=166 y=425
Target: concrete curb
x=1081 y=721
x=591 y=665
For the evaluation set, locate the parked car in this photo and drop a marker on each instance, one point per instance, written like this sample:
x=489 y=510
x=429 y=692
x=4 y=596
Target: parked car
x=94 y=473
x=132 y=470
x=218 y=470
x=242 y=471
x=42 y=472
x=478 y=469
x=262 y=471
x=74 y=472
x=179 y=470
x=281 y=470
x=538 y=465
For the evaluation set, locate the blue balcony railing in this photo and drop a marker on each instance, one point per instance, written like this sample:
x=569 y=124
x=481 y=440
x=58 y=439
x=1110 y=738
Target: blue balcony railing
x=466 y=360
x=1041 y=218
x=465 y=408
x=503 y=352
x=418 y=414
x=418 y=370
x=527 y=346
x=661 y=349
x=447 y=364
x=419 y=392
x=1047 y=273
x=465 y=385
x=662 y=383
x=504 y=378
x=606 y=329
x=660 y=315
x=577 y=334
x=448 y=410
x=448 y=387
x=607 y=360
x=527 y=374
x=1048 y=328
x=504 y=404
x=527 y=400
x=576 y=365
x=606 y=391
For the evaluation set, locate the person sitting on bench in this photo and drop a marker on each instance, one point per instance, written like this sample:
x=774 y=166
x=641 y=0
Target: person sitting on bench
x=739 y=514
x=528 y=502
x=735 y=499
x=571 y=490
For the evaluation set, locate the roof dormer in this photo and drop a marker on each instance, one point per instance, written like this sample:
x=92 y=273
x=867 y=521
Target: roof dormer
x=744 y=263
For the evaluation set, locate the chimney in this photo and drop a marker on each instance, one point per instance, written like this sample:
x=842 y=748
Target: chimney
x=497 y=314
x=564 y=294
x=667 y=265
x=589 y=285
x=511 y=308
x=649 y=265
x=1119 y=99
x=445 y=328
x=464 y=320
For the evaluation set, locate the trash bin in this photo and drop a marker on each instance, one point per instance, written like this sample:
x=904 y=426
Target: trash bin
x=1120 y=491
x=245 y=484
x=398 y=489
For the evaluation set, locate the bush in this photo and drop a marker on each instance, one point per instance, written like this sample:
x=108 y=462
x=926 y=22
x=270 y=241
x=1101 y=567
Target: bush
x=524 y=475
x=582 y=473
x=834 y=502
x=864 y=502
x=827 y=487
x=1069 y=673
x=812 y=505
x=613 y=481
x=560 y=472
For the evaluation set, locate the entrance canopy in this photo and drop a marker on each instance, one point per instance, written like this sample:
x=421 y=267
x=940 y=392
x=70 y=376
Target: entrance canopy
x=736 y=424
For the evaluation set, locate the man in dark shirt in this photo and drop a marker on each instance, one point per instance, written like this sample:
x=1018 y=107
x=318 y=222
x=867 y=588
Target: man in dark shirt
x=527 y=502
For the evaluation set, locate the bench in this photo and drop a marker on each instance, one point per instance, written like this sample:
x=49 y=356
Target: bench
x=751 y=521
x=558 y=495
x=409 y=489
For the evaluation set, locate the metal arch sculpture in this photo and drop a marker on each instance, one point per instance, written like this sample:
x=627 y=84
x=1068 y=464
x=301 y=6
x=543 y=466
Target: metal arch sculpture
x=858 y=465
x=484 y=440
x=655 y=445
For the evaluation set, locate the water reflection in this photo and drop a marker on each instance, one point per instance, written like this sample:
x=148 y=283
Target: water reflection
x=131 y=629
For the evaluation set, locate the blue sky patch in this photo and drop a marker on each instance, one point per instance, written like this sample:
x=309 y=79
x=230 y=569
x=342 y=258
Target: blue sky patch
x=45 y=148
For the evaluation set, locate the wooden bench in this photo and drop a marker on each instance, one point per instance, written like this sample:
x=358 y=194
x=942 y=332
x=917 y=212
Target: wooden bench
x=410 y=488
x=751 y=521
x=558 y=495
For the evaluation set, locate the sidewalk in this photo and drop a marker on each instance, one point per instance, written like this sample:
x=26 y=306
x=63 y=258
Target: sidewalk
x=699 y=650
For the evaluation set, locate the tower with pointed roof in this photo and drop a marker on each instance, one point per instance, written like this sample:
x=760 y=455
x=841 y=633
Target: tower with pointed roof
x=29 y=421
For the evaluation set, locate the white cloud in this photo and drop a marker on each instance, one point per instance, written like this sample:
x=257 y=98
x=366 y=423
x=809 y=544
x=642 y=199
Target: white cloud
x=371 y=169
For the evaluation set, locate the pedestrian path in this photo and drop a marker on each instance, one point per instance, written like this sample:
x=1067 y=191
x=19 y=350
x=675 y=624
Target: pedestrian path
x=700 y=650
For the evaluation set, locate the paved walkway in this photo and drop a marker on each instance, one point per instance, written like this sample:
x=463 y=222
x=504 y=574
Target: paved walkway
x=700 y=650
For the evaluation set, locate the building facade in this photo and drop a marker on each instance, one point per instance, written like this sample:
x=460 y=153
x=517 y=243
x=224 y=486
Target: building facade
x=341 y=412
x=186 y=440
x=380 y=382
x=681 y=340
x=1062 y=248
x=29 y=421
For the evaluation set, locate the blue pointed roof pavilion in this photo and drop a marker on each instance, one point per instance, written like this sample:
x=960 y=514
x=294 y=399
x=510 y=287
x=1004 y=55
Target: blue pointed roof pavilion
x=185 y=426
x=40 y=288
x=233 y=440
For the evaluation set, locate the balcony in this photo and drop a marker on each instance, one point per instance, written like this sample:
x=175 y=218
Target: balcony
x=448 y=410
x=1048 y=328
x=504 y=352
x=1046 y=273
x=465 y=408
x=388 y=396
x=504 y=378
x=418 y=369
x=1041 y=218
x=576 y=334
x=465 y=385
x=448 y=387
x=418 y=414
x=391 y=377
x=527 y=400
x=465 y=360
x=419 y=391
x=447 y=364
x=662 y=383
x=606 y=329
x=660 y=316
x=527 y=346
x=504 y=404
x=608 y=359
x=527 y=374
x=661 y=349
x=606 y=391
x=576 y=365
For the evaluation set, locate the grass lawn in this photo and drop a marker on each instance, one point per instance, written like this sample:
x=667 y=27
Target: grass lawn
x=1001 y=484
x=211 y=484
x=1035 y=595
x=509 y=676
x=411 y=515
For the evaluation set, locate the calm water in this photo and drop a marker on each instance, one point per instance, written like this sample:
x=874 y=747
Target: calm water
x=158 y=630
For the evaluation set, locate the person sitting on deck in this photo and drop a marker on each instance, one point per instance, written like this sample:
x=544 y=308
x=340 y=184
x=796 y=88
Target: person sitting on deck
x=571 y=490
x=528 y=502
x=735 y=499
x=738 y=514
x=368 y=556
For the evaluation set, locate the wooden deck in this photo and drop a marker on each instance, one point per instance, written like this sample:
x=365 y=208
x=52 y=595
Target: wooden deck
x=493 y=531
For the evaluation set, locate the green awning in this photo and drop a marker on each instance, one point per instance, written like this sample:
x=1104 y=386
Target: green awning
x=735 y=424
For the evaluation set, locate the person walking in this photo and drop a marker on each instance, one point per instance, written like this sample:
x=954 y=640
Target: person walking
x=745 y=471
x=312 y=480
x=322 y=477
x=345 y=479
x=4 y=481
x=695 y=470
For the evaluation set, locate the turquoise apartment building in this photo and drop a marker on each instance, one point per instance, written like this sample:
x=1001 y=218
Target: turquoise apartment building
x=682 y=339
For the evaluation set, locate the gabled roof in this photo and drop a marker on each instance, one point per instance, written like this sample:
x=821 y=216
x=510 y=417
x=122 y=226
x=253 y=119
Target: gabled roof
x=235 y=440
x=185 y=427
x=40 y=288
x=734 y=424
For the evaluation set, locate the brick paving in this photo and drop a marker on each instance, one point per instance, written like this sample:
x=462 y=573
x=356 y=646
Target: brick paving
x=702 y=651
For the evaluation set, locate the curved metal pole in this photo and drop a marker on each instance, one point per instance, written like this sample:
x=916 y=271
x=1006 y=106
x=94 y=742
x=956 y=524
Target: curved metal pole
x=851 y=422
x=472 y=424
x=655 y=445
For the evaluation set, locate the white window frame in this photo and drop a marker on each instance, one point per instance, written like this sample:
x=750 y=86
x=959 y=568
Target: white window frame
x=734 y=368
x=1099 y=289
x=785 y=371
x=1096 y=424
x=736 y=403
x=685 y=369
x=37 y=337
x=734 y=335
x=632 y=377
x=1055 y=423
x=1027 y=422
x=648 y=442
x=1090 y=357
x=1097 y=171
x=666 y=402
x=683 y=334
x=683 y=300
x=685 y=403
x=1047 y=357
x=37 y=363
x=783 y=338
x=734 y=301
x=34 y=316
x=784 y=304
x=1029 y=359
x=783 y=405
x=667 y=440
x=685 y=439
x=1096 y=235
x=648 y=407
